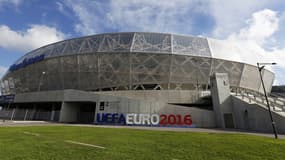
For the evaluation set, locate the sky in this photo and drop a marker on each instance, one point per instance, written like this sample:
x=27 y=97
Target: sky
x=248 y=31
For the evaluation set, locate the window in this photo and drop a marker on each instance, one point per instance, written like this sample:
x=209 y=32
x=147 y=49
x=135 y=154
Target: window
x=102 y=105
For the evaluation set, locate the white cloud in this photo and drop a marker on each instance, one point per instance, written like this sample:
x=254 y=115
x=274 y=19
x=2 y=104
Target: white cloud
x=159 y=15
x=89 y=22
x=279 y=76
x=13 y=2
x=248 y=45
x=2 y=71
x=230 y=15
x=7 y=4
x=59 y=6
x=260 y=27
x=164 y=15
x=134 y=15
x=34 y=37
x=62 y=9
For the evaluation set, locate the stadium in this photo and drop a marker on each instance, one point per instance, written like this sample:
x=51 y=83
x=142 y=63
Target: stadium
x=137 y=78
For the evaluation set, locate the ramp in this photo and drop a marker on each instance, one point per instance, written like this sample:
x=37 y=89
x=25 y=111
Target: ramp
x=277 y=103
x=251 y=111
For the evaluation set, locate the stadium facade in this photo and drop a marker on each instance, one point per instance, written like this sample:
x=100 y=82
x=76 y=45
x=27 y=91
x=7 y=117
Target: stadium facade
x=136 y=79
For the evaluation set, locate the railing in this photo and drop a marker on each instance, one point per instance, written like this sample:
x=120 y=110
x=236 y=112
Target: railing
x=29 y=114
x=276 y=103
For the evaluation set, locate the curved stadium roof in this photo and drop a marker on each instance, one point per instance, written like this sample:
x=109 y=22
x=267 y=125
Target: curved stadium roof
x=125 y=42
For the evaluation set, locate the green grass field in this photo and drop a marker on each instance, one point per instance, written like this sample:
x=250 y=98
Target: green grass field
x=48 y=143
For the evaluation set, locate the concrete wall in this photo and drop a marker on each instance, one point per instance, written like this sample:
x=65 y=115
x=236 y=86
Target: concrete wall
x=246 y=116
x=169 y=96
x=200 y=117
x=122 y=102
x=255 y=118
x=47 y=96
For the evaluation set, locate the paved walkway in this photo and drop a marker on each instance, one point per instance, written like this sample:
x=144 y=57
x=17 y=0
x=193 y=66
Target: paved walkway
x=174 y=129
x=26 y=123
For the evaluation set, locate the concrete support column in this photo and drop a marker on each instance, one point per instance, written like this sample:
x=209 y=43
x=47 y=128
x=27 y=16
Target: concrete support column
x=26 y=113
x=52 y=113
x=68 y=112
x=13 y=113
x=222 y=102
x=33 y=113
x=96 y=111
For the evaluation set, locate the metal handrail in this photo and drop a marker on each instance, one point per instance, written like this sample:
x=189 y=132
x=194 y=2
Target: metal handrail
x=277 y=103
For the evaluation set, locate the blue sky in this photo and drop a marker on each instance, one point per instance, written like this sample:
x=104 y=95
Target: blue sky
x=252 y=30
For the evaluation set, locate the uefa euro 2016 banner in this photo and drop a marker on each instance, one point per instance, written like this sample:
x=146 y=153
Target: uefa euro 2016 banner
x=145 y=119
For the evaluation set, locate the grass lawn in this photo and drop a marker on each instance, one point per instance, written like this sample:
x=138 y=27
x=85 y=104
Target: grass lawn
x=48 y=143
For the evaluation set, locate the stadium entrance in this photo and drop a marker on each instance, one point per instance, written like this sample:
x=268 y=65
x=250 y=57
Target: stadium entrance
x=78 y=112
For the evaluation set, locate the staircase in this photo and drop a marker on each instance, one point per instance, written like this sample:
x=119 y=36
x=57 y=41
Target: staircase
x=277 y=103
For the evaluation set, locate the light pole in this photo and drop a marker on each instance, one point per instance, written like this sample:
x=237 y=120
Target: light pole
x=41 y=78
x=260 y=67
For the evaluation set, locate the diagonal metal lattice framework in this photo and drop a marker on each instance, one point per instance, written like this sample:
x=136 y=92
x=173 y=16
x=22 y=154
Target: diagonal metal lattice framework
x=125 y=61
x=125 y=42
